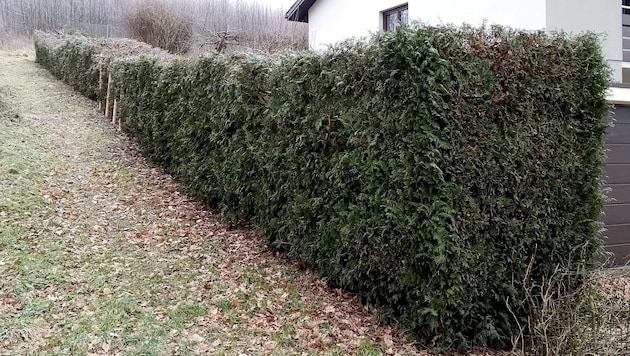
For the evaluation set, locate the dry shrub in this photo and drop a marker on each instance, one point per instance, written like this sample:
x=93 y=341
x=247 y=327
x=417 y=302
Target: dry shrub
x=575 y=313
x=277 y=40
x=5 y=34
x=161 y=24
x=11 y=40
x=256 y=26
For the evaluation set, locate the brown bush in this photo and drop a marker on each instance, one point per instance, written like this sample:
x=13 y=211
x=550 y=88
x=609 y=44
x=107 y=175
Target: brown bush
x=161 y=24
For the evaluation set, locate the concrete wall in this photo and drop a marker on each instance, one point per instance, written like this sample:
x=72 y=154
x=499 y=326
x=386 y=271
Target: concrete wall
x=331 y=21
x=601 y=16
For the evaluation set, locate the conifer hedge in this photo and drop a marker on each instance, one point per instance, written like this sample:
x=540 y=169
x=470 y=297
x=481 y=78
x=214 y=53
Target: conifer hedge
x=431 y=170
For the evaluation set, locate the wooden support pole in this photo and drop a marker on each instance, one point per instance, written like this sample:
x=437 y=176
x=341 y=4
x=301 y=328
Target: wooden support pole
x=110 y=84
x=100 y=90
x=115 y=112
x=120 y=116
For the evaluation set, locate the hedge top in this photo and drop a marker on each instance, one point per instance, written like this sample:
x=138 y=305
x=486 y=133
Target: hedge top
x=104 y=47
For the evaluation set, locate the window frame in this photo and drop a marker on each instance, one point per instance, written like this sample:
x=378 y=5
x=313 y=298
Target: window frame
x=396 y=9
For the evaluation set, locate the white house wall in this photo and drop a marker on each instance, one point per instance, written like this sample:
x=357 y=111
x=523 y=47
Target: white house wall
x=331 y=21
x=600 y=16
x=529 y=14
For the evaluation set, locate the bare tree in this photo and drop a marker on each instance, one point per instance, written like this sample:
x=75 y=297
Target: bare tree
x=256 y=25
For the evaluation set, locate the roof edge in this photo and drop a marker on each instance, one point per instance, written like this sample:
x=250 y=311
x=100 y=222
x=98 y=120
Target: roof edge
x=298 y=12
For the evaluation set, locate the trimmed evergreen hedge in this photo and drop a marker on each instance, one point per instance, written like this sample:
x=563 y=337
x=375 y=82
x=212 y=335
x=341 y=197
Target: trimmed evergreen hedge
x=77 y=60
x=425 y=169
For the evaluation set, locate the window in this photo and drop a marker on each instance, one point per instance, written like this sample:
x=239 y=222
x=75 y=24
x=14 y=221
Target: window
x=394 y=17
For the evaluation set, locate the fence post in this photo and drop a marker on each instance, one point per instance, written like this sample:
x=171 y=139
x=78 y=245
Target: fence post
x=115 y=112
x=119 y=116
x=110 y=84
x=100 y=90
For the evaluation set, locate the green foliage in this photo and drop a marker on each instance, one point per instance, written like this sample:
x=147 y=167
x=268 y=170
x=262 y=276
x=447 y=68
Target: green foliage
x=70 y=61
x=433 y=170
x=77 y=60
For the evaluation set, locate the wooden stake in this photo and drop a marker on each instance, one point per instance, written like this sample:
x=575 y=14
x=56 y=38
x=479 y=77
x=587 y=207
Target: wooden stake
x=120 y=117
x=110 y=84
x=100 y=90
x=115 y=113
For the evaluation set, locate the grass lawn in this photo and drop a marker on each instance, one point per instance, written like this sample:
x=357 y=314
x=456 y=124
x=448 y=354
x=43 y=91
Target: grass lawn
x=100 y=253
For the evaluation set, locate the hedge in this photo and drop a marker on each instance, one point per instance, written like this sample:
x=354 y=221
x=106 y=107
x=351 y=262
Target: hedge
x=77 y=60
x=433 y=170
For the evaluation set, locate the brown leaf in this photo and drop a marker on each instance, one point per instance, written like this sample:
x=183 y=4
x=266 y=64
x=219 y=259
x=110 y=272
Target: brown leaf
x=139 y=234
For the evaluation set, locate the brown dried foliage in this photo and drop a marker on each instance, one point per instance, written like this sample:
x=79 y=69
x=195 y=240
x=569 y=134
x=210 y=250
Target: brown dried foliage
x=160 y=24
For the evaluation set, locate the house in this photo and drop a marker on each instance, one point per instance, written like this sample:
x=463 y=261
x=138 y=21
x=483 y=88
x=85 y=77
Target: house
x=331 y=21
x=606 y=17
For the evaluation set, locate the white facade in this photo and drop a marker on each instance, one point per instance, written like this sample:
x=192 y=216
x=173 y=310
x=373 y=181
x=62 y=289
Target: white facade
x=331 y=21
x=599 y=16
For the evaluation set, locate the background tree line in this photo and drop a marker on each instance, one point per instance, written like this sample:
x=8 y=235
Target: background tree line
x=191 y=24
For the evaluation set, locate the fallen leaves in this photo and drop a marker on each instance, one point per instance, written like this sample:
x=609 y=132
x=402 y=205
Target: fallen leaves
x=141 y=234
x=616 y=284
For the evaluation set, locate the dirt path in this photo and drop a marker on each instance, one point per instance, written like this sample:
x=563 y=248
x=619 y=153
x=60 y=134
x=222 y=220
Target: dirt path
x=100 y=254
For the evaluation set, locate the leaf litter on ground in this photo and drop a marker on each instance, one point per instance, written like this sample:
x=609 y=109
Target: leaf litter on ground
x=100 y=254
